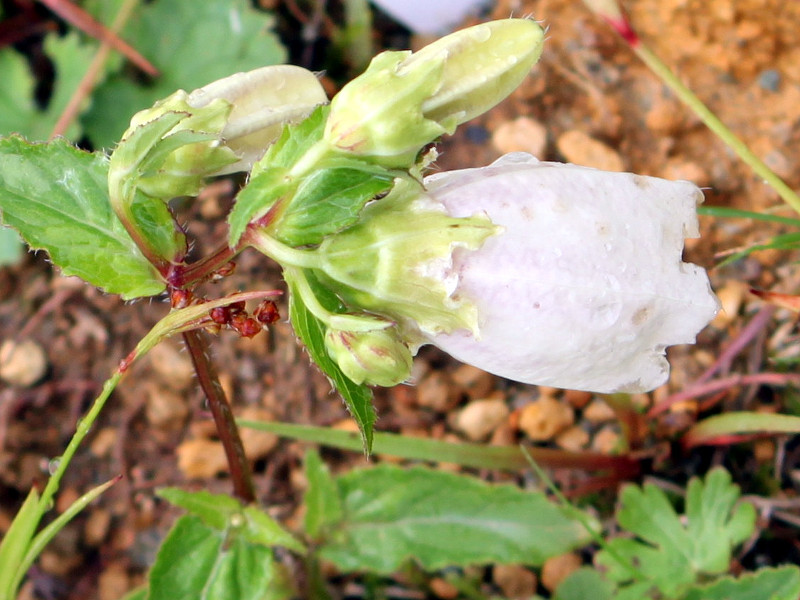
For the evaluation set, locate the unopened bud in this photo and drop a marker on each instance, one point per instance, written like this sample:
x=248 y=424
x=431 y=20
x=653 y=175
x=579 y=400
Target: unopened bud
x=404 y=101
x=375 y=357
x=263 y=101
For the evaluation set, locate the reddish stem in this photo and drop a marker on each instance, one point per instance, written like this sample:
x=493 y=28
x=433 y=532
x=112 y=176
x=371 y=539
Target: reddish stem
x=223 y=417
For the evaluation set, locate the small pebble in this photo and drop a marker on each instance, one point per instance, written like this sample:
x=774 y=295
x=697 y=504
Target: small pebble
x=436 y=392
x=22 y=364
x=606 y=440
x=598 y=412
x=545 y=418
x=443 y=589
x=96 y=527
x=165 y=408
x=731 y=296
x=521 y=135
x=201 y=458
x=480 y=417
x=172 y=364
x=558 y=568
x=515 y=581
x=257 y=444
x=579 y=148
x=573 y=439
x=474 y=382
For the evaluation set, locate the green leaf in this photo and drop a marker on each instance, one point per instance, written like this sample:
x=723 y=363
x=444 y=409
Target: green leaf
x=669 y=554
x=19 y=112
x=311 y=332
x=782 y=583
x=439 y=519
x=192 y=43
x=583 y=584
x=261 y=529
x=223 y=513
x=323 y=506
x=56 y=197
x=735 y=213
x=10 y=247
x=255 y=199
x=295 y=141
x=215 y=510
x=16 y=542
x=329 y=200
x=198 y=562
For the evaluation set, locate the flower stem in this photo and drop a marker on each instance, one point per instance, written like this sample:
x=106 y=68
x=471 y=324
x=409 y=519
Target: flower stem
x=223 y=417
x=280 y=253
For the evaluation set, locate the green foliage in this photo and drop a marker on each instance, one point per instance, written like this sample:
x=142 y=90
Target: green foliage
x=781 y=583
x=311 y=332
x=322 y=502
x=389 y=515
x=329 y=200
x=221 y=550
x=257 y=197
x=192 y=44
x=669 y=554
x=56 y=197
x=19 y=112
x=680 y=558
x=196 y=561
x=10 y=247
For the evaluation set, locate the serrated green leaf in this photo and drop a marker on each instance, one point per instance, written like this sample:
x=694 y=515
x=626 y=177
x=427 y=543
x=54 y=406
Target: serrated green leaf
x=19 y=112
x=56 y=197
x=262 y=529
x=224 y=513
x=583 y=584
x=329 y=200
x=668 y=554
x=10 y=247
x=357 y=398
x=438 y=519
x=782 y=583
x=255 y=199
x=294 y=142
x=322 y=502
x=215 y=510
x=192 y=43
x=197 y=562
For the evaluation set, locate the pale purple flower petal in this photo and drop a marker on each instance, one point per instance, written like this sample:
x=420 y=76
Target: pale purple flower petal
x=585 y=287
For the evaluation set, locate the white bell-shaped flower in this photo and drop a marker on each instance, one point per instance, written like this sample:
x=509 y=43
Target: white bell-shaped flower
x=585 y=286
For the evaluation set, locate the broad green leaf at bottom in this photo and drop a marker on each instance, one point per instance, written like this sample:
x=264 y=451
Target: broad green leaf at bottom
x=438 y=519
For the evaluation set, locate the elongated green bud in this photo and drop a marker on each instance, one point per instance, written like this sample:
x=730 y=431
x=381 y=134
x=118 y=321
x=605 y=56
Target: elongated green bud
x=375 y=357
x=404 y=101
x=263 y=101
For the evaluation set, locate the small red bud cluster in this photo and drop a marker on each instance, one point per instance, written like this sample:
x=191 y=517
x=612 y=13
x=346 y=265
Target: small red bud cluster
x=237 y=318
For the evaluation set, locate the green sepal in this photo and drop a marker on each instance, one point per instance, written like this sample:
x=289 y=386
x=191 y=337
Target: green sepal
x=256 y=199
x=56 y=197
x=294 y=142
x=329 y=200
x=155 y=220
x=311 y=331
x=378 y=115
x=392 y=261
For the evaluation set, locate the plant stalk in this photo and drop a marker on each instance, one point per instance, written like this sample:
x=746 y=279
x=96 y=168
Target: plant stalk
x=223 y=417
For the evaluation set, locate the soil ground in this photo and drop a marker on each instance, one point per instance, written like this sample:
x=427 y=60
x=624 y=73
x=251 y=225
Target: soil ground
x=589 y=101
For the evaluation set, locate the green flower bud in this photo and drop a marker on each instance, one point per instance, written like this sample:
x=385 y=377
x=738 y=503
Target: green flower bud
x=263 y=101
x=376 y=357
x=397 y=261
x=404 y=101
x=223 y=127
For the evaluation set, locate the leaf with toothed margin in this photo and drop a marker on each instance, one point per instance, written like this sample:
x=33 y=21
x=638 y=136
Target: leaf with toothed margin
x=311 y=332
x=56 y=197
